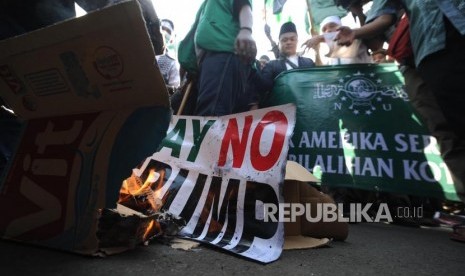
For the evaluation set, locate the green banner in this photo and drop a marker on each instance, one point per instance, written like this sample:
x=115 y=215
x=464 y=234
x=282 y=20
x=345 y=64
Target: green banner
x=324 y=8
x=356 y=128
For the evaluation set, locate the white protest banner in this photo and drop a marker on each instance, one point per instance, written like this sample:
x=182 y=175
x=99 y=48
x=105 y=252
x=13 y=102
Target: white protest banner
x=218 y=172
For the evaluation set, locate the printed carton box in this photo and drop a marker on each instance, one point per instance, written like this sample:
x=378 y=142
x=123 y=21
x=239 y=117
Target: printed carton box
x=93 y=105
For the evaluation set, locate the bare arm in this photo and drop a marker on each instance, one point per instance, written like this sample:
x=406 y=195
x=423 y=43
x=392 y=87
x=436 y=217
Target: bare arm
x=245 y=44
x=347 y=35
x=313 y=42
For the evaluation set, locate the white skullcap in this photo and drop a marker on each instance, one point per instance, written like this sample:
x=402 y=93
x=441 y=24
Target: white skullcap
x=330 y=19
x=167 y=24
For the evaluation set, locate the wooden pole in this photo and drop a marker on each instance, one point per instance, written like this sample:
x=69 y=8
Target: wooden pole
x=185 y=97
x=314 y=32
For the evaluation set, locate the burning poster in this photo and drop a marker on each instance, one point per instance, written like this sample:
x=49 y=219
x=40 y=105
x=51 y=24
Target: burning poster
x=216 y=173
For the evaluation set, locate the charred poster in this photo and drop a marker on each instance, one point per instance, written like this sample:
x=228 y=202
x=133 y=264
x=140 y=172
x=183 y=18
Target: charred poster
x=217 y=172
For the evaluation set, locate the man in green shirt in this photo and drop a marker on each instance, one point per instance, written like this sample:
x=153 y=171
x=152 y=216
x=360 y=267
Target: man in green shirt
x=225 y=50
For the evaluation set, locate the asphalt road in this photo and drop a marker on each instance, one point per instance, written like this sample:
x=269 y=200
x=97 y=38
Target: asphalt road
x=371 y=249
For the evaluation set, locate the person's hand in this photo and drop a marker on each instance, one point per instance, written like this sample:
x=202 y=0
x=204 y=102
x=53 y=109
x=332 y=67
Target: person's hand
x=311 y=43
x=345 y=37
x=268 y=31
x=245 y=46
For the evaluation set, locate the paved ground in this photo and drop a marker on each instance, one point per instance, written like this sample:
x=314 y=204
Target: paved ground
x=370 y=249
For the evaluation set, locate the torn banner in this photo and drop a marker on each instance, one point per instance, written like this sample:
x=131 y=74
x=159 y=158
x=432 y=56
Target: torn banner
x=217 y=172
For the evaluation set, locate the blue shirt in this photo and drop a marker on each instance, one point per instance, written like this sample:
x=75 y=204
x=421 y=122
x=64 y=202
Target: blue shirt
x=427 y=28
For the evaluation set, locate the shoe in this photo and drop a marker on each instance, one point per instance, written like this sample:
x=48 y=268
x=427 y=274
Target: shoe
x=450 y=220
x=458 y=233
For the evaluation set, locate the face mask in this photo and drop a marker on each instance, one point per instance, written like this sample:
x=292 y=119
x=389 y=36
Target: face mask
x=167 y=38
x=329 y=39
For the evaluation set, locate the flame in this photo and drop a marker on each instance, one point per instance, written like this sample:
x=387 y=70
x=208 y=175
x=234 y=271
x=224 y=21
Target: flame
x=148 y=229
x=135 y=193
x=144 y=196
x=157 y=191
x=153 y=229
x=140 y=197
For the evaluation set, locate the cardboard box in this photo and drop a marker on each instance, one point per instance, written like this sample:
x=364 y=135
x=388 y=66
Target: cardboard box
x=101 y=61
x=94 y=105
x=295 y=182
x=300 y=233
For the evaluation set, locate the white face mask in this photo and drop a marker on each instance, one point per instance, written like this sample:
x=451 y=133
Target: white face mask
x=329 y=39
x=167 y=38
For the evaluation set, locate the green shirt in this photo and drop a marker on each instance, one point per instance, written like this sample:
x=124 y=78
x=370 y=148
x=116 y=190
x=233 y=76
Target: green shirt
x=218 y=26
x=427 y=29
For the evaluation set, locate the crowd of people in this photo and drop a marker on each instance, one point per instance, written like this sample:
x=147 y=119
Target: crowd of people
x=218 y=56
x=426 y=38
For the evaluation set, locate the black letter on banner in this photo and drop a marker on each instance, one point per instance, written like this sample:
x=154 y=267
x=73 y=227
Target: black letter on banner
x=194 y=197
x=253 y=227
x=228 y=211
x=174 y=189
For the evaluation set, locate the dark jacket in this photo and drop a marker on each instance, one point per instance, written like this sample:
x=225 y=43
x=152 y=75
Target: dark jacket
x=264 y=79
